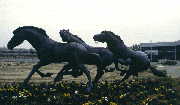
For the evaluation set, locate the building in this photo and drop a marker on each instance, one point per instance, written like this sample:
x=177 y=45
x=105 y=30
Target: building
x=162 y=50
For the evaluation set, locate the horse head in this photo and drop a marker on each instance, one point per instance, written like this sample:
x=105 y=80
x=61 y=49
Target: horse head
x=17 y=39
x=20 y=34
x=65 y=35
x=69 y=37
x=107 y=36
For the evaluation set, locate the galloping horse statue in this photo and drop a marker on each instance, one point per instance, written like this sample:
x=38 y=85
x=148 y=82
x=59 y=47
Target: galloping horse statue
x=106 y=55
x=50 y=51
x=139 y=62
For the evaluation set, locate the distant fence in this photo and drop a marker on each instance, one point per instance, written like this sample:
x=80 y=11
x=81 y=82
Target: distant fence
x=19 y=60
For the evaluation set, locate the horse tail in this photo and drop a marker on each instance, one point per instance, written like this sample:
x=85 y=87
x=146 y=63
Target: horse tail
x=157 y=72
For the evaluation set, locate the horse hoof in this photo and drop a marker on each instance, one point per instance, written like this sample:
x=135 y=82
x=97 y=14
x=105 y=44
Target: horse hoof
x=58 y=78
x=87 y=90
x=22 y=87
x=49 y=74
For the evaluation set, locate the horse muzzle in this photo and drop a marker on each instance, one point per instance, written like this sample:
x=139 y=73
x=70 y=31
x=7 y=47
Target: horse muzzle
x=9 y=47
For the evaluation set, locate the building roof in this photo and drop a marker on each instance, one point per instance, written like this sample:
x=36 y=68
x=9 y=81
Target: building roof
x=160 y=44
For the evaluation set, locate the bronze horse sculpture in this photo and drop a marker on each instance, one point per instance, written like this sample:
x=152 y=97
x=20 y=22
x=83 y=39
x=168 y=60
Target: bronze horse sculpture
x=50 y=51
x=106 y=55
x=139 y=62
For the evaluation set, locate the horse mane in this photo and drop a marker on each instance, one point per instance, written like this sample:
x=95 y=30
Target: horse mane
x=78 y=37
x=118 y=37
x=74 y=36
x=40 y=30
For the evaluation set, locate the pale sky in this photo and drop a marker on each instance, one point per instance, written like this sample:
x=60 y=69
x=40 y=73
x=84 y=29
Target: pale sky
x=135 y=21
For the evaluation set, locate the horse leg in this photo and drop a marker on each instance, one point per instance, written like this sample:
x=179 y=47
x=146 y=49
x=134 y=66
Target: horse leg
x=116 y=65
x=98 y=75
x=87 y=72
x=126 y=77
x=117 y=68
x=44 y=75
x=35 y=68
x=59 y=76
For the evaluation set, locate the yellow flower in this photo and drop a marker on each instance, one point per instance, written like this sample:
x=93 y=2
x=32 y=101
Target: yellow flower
x=68 y=94
x=89 y=102
x=68 y=87
x=163 y=87
x=44 y=94
x=30 y=94
x=64 y=94
x=100 y=101
x=156 y=89
x=109 y=84
x=147 y=99
x=121 y=96
x=53 y=90
x=111 y=103
x=141 y=92
x=143 y=103
x=36 y=89
x=86 y=95
x=86 y=103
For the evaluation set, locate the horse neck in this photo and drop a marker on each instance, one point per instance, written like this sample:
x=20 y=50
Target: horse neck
x=82 y=43
x=35 y=40
x=120 y=50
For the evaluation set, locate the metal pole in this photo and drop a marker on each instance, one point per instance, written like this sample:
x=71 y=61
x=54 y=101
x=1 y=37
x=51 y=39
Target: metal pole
x=151 y=50
x=175 y=52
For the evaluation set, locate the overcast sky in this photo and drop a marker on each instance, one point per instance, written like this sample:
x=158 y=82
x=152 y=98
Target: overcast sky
x=135 y=21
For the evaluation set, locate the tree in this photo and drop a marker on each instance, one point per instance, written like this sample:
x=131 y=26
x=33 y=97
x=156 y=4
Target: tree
x=135 y=47
x=164 y=52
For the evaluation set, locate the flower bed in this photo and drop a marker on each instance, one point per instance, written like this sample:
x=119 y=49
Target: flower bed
x=140 y=91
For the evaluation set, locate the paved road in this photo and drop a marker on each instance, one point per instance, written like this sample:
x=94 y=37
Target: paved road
x=172 y=70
